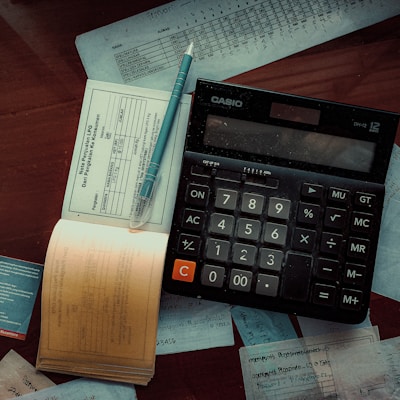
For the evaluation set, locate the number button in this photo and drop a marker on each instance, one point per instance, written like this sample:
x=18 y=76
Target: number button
x=240 y=280
x=248 y=229
x=226 y=199
x=222 y=224
x=279 y=208
x=217 y=250
x=270 y=259
x=212 y=275
x=275 y=234
x=252 y=203
x=244 y=254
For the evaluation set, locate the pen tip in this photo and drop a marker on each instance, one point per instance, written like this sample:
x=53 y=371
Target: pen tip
x=189 y=49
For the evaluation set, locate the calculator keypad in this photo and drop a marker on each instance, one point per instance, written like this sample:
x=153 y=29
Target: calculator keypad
x=300 y=244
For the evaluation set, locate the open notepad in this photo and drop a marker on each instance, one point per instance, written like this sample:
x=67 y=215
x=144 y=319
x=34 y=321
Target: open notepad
x=102 y=282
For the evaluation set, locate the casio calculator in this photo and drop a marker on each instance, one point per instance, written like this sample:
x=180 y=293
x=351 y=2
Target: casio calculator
x=279 y=202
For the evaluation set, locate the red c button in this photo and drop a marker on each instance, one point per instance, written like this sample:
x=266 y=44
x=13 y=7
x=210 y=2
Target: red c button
x=183 y=270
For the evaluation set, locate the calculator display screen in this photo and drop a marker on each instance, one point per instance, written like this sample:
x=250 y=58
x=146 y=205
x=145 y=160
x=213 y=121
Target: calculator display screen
x=293 y=144
x=288 y=112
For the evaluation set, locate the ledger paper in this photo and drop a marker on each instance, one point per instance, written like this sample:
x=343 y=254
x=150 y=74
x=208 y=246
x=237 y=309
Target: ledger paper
x=230 y=37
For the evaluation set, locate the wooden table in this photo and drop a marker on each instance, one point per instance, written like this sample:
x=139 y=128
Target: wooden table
x=41 y=84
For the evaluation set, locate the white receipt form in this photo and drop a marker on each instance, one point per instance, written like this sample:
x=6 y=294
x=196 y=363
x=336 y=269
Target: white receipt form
x=287 y=369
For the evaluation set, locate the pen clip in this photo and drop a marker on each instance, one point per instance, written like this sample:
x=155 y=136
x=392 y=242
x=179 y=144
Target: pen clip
x=142 y=205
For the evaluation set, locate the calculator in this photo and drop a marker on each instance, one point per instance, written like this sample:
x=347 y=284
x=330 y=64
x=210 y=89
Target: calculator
x=279 y=202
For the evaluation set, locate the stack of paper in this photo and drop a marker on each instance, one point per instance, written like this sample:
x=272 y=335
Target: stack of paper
x=100 y=302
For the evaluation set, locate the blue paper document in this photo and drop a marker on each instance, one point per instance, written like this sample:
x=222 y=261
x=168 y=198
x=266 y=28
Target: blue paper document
x=19 y=284
x=188 y=324
x=261 y=326
x=85 y=389
x=387 y=271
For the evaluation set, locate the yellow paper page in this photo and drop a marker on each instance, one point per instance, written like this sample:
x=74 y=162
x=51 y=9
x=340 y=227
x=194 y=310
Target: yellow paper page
x=101 y=293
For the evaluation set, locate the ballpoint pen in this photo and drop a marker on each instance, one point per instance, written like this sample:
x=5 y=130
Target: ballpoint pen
x=141 y=209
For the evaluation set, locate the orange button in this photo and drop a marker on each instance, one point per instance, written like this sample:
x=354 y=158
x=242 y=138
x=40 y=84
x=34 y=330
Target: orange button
x=184 y=270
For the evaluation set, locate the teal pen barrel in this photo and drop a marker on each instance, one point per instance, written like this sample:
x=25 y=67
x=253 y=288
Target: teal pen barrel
x=171 y=110
x=164 y=131
x=148 y=183
x=155 y=161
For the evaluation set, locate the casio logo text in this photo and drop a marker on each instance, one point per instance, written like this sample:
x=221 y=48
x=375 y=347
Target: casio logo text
x=227 y=102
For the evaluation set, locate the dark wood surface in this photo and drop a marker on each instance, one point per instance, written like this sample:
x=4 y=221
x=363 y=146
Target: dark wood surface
x=41 y=84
